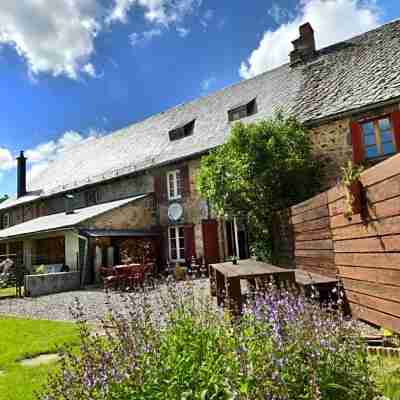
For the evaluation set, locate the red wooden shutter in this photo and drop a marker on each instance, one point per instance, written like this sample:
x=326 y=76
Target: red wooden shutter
x=189 y=242
x=160 y=186
x=210 y=240
x=157 y=187
x=356 y=139
x=185 y=180
x=396 y=128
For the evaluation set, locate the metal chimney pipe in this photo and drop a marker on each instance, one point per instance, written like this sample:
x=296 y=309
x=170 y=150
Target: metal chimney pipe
x=21 y=175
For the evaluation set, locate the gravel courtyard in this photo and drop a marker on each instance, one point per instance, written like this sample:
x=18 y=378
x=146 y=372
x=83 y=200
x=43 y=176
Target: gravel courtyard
x=57 y=306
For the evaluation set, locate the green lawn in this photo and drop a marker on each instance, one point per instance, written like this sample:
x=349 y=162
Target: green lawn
x=387 y=375
x=21 y=338
x=7 y=292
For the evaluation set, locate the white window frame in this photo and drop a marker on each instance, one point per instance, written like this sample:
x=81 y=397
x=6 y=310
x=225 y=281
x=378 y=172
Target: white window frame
x=175 y=187
x=6 y=216
x=180 y=257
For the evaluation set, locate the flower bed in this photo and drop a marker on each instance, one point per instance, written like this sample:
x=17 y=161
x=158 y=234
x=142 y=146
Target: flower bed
x=182 y=347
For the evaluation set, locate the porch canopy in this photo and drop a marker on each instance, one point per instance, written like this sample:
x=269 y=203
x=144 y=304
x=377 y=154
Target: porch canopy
x=61 y=221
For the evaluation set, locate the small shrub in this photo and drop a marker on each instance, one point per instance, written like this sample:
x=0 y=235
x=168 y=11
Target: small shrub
x=174 y=344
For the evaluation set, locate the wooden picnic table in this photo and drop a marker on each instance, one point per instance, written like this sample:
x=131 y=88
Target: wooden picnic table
x=225 y=279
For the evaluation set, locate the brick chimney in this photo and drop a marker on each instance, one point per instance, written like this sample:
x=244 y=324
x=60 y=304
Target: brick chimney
x=304 y=46
x=21 y=175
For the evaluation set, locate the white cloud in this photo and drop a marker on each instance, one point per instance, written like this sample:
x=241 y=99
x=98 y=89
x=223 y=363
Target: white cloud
x=332 y=20
x=183 y=32
x=55 y=37
x=7 y=161
x=40 y=155
x=163 y=12
x=279 y=14
x=144 y=37
x=206 y=18
x=208 y=83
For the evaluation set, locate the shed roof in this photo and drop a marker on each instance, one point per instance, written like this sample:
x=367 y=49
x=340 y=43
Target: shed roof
x=340 y=78
x=62 y=220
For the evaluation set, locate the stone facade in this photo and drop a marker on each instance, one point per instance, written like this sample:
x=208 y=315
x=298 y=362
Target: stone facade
x=332 y=142
x=137 y=215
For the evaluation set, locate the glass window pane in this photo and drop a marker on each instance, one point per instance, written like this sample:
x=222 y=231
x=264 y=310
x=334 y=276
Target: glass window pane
x=171 y=185
x=174 y=254
x=371 y=152
x=181 y=243
x=384 y=124
x=386 y=136
x=368 y=140
x=178 y=183
x=181 y=232
x=368 y=129
x=388 y=148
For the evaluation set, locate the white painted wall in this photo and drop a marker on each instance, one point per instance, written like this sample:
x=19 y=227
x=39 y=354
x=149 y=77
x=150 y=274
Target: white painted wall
x=71 y=250
x=28 y=250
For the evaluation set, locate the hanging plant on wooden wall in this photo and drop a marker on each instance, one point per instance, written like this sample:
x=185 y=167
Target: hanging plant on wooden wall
x=352 y=188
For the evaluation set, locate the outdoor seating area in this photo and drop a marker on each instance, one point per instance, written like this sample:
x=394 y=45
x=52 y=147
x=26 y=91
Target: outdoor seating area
x=225 y=281
x=128 y=276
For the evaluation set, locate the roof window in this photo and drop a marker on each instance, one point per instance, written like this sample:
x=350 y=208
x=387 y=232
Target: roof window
x=242 y=110
x=182 y=131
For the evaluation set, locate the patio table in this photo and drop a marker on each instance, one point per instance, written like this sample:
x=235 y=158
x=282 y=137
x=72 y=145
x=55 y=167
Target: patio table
x=225 y=279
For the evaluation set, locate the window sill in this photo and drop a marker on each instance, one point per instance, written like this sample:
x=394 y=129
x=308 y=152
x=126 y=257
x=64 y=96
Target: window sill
x=174 y=198
x=378 y=159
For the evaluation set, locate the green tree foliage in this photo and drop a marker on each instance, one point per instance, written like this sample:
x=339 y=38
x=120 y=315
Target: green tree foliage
x=263 y=167
x=4 y=198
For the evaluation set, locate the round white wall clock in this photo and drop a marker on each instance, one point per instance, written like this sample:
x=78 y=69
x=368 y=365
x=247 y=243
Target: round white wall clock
x=175 y=212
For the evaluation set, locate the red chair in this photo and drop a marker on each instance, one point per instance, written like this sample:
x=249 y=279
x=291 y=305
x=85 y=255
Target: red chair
x=136 y=278
x=110 y=279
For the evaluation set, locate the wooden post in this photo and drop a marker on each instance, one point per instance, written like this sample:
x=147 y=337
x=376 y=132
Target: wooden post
x=234 y=295
x=220 y=289
x=213 y=286
x=236 y=236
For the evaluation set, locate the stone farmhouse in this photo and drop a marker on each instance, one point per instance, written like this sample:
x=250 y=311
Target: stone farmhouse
x=105 y=198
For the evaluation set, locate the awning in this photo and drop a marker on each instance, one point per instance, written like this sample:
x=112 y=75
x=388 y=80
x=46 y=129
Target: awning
x=117 y=233
x=62 y=221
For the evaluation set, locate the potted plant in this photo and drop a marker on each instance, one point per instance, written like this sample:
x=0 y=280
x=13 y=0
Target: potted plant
x=235 y=260
x=180 y=272
x=352 y=188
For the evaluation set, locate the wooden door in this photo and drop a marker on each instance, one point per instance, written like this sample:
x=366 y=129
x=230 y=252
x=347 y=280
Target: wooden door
x=210 y=240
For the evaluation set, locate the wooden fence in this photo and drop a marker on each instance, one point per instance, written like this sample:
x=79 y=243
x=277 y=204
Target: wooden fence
x=363 y=251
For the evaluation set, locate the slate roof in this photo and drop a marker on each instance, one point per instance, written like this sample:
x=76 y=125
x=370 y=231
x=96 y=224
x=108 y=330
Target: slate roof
x=355 y=73
x=62 y=220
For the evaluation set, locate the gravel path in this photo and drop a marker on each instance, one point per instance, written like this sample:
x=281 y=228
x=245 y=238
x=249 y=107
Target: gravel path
x=57 y=306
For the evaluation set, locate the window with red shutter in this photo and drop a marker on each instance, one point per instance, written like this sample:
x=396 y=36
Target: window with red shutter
x=185 y=180
x=189 y=242
x=375 y=138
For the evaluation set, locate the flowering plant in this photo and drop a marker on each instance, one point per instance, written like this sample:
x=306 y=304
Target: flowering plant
x=175 y=343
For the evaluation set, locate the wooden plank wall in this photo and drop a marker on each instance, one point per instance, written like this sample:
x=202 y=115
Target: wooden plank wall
x=283 y=239
x=364 y=251
x=367 y=247
x=312 y=236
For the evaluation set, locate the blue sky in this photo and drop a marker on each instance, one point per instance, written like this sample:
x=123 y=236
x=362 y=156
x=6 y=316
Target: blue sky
x=75 y=68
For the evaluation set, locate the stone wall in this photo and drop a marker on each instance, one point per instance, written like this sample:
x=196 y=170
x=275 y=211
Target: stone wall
x=39 y=285
x=332 y=142
x=136 y=215
x=114 y=190
x=195 y=208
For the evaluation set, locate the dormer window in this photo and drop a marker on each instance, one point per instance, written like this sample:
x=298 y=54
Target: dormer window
x=182 y=131
x=242 y=111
